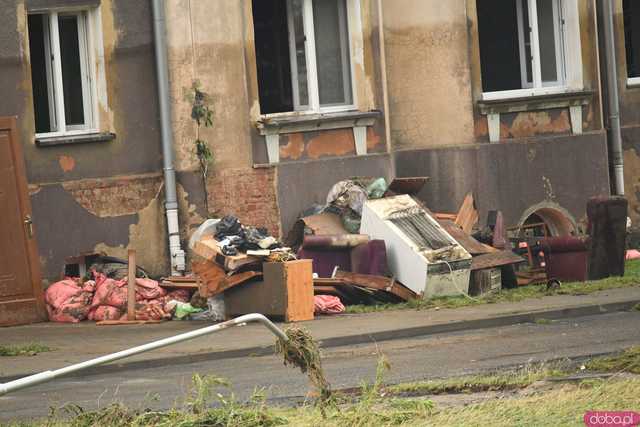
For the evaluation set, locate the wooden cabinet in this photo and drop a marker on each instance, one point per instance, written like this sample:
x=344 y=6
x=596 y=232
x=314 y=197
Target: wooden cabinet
x=286 y=292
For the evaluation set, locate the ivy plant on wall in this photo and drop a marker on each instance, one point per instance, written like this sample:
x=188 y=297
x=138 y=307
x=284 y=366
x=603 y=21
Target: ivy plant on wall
x=202 y=114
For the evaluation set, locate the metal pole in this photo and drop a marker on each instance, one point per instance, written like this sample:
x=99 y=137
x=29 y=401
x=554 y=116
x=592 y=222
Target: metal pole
x=613 y=100
x=162 y=72
x=46 y=376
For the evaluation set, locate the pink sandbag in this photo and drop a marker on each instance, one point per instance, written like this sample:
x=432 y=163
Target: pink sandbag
x=632 y=254
x=152 y=310
x=327 y=304
x=148 y=289
x=67 y=302
x=110 y=292
x=106 y=312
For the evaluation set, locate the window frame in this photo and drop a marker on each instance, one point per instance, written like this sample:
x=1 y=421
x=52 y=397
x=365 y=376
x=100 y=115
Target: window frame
x=568 y=53
x=354 y=40
x=91 y=66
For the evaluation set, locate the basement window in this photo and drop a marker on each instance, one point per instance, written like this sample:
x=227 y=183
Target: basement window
x=632 y=40
x=524 y=47
x=61 y=73
x=303 y=55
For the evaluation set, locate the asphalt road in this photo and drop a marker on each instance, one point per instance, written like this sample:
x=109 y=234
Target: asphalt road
x=434 y=356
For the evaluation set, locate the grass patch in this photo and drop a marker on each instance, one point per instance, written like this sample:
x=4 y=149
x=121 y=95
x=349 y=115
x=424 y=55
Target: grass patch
x=630 y=279
x=476 y=383
x=211 y=403
x=543 y=322
x=562 y=407
x=627 y=361
x=23 y=350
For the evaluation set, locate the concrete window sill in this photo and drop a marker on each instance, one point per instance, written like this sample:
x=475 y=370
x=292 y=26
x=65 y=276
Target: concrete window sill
x=272 y=128
x=74 y=139
x=574 y=101
x=533 y=103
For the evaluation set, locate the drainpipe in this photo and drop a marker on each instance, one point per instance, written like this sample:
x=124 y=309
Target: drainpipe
x=171 y=204
x=385 y=87
x=613 y=100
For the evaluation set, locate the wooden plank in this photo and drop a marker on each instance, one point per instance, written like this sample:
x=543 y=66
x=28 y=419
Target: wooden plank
x=127 y=322
x=215 y=281
x=468 y=214
x=495 y=259
x=466 y=241
x=131 y=286
x=378 y=283
x=209 y=250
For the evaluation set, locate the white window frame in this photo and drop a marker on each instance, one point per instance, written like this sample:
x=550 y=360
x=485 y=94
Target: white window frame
x=354 y=40
x=568 y=53
x=92 y=71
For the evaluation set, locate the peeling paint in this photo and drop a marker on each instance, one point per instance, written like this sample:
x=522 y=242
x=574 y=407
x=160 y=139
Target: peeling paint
x=294 y=148
x=67 y=163
x=115 y=197
x=331 y=143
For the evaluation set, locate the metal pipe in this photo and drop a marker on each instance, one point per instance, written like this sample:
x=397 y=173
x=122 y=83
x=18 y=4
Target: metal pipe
x=385 y=85
x=178 y=260
x=613 y=99
x=46 y=376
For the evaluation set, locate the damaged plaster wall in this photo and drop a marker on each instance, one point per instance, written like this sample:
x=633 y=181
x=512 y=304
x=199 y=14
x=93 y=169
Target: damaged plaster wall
x=428 y=73
x=94 y=196
x=207 y=44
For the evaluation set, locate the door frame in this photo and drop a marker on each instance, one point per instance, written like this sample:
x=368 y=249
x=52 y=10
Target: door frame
x=9 y=124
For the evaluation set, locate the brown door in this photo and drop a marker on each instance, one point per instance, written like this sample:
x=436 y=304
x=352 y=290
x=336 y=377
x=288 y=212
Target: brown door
x=21 y=299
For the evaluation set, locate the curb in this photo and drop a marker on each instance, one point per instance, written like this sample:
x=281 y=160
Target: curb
x=391 y=335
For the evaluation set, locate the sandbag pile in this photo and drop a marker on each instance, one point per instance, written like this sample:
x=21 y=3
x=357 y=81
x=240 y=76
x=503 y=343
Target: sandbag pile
x=104 y=298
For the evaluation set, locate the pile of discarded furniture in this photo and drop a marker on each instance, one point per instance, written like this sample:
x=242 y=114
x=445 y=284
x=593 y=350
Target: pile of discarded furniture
x=370 y=243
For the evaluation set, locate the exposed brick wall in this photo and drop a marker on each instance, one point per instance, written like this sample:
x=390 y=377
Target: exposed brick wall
x=248 y=193
x=118 y=196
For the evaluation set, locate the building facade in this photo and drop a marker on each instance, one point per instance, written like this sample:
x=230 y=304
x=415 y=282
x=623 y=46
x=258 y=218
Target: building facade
x=501 y=98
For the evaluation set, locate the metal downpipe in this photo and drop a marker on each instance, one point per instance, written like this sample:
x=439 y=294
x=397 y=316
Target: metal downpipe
x=162 y=71
x=613 y=99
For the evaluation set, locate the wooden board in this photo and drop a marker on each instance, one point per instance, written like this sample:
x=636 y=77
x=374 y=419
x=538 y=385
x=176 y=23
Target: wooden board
x=209 y=250
x=379 y=283
x=127 y=322
x=496 y=259
x=466 y=241
x=214 y=280
x=468 y=214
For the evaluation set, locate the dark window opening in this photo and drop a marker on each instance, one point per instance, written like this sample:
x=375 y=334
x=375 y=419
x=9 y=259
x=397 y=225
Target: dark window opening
x=272 y=56
x=632 y=36
x=39 y=74
x=499 y=45
x=71 y=69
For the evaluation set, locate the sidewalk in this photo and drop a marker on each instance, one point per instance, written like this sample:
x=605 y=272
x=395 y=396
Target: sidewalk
x=80 y=342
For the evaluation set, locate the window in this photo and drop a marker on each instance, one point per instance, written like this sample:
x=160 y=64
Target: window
x=632 y=39
x=61 y=74
x=303 y=55
x=524 y=45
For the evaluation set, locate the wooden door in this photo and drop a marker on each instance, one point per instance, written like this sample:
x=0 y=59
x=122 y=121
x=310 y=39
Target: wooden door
x=21 y=296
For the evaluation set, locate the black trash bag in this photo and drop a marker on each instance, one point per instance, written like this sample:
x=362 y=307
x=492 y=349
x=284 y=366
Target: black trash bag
x=253 y=236
x=228 y=226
